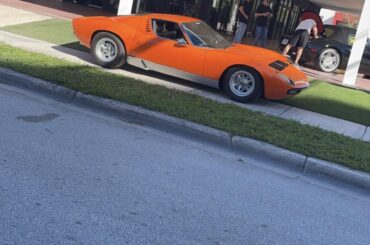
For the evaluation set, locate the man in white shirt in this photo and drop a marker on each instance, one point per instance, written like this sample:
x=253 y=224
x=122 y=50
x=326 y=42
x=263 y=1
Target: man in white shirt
x=300 y=38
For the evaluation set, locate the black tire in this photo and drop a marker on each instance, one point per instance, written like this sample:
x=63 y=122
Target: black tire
x=249 y=87
x=114 y=57
x=320 y=63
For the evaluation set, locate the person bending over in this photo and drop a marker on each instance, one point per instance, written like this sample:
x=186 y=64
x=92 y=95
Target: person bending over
x=300 y=38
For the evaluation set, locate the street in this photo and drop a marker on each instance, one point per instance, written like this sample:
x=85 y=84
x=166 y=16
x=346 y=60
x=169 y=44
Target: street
x=73 y=176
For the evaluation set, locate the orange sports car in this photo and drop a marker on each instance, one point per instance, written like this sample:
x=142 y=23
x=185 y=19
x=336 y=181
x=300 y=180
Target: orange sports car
x=188 y=48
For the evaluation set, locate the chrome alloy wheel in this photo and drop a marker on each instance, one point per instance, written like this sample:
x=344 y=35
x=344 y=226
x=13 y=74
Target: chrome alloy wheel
x=329 y=60
x=106 y=49
x=242 y=83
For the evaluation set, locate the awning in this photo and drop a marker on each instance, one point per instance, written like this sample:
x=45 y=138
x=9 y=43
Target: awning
x=349 y=6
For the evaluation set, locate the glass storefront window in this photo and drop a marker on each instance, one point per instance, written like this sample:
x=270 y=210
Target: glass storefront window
x=187 y=7
x=96 y=3
x=107 y=5
x=191 y=8
x=206 y=10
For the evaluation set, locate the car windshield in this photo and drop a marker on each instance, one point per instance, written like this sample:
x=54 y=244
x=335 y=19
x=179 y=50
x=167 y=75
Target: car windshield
x=202 y=35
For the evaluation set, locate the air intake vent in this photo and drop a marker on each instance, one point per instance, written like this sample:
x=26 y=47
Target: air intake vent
x=278 y=65
x=147 y=27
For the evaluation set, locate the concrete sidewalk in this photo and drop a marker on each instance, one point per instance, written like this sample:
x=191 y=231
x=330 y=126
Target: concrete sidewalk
x=13 y=16
x=52 y=8
x=346 y=128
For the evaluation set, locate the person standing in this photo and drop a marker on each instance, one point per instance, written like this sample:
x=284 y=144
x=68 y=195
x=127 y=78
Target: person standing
x=263 y=13
x=300 y=38
x=224 y=17
x=243 y=13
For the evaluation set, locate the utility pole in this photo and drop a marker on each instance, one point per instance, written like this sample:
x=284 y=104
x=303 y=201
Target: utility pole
x=358 y=47
x=125 y=7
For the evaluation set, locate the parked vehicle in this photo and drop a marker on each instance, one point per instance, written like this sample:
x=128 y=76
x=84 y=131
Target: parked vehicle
x=331 y=51
x=188 y=48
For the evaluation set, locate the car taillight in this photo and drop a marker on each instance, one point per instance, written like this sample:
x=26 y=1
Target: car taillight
x=313 y=50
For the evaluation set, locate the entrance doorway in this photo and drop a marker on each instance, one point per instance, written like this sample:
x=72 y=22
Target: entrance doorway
x=95 y=3
x=107 y=5
x=201 y=9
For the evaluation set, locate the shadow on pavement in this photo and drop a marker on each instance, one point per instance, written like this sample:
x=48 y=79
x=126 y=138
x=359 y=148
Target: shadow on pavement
x=76 y=46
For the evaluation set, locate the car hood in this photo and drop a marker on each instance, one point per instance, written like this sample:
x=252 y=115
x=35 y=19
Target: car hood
x=258 y=55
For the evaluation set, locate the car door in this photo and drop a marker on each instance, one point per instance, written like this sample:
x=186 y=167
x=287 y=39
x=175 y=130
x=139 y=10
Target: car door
x=344 y=38
x=165 y=49
x=365 y=63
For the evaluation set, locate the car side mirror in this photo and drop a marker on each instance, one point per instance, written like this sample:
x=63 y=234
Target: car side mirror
x=181 y=42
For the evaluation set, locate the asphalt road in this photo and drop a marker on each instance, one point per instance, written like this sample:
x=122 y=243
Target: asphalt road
x=71 y=176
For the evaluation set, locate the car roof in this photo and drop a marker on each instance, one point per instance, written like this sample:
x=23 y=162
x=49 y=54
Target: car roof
x=171 y=17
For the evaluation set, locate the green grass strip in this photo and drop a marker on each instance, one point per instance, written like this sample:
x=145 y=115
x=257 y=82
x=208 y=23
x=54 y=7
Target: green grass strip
x=56 y=31
x=289 y=134
x=333 y=100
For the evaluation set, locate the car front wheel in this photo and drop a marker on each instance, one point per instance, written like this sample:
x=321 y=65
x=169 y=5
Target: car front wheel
x=328 y=60
x=108 y=50
x=243 y=84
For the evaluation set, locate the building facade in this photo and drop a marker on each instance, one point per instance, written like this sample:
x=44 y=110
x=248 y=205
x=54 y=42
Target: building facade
x=219 y=14
x=107 y=5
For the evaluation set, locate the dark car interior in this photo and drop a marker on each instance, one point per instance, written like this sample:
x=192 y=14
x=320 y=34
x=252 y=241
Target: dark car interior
x=167 y=30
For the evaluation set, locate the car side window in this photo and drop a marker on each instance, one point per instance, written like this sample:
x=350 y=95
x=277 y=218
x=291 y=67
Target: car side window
x=167 y=29
x=329 y=32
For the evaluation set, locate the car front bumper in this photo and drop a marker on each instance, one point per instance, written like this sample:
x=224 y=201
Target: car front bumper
x=298 y=87
x=278 y=87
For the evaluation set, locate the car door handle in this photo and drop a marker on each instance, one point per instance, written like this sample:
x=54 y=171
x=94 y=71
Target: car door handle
x=177 y=45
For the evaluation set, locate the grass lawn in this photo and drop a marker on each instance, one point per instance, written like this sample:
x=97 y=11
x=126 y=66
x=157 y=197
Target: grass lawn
x=289 y=134
x=321 y=97
x=333 y=100
x=54 y=31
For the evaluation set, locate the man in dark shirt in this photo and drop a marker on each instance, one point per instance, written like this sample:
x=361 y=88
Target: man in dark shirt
x=244 y=13
x=224 y=17
x=263 y=13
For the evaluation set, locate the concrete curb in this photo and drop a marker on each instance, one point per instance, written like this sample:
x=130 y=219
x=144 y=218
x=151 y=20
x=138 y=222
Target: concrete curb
x=157 y=120
x=134 y=114
x=49 y=89
x=320 y=167
x=268 y=152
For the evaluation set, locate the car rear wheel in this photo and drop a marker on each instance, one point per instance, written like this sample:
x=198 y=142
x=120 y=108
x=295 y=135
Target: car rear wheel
x=328 y=60
x=243 y=84
x=108 y=50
